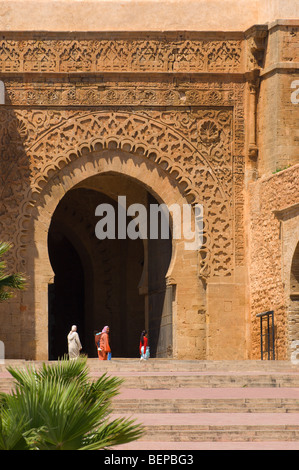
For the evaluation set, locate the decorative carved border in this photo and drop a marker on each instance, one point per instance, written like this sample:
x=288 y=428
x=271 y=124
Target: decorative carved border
x=101 y=54
x=95 y=93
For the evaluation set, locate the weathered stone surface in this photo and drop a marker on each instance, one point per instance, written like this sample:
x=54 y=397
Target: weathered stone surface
x=201 y=116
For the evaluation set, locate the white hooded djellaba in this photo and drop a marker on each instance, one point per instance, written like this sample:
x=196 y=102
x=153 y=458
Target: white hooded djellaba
x=74 y=344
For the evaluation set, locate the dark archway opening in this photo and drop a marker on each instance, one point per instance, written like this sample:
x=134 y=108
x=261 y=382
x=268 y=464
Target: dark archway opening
x=66 y=294
x=115 y=282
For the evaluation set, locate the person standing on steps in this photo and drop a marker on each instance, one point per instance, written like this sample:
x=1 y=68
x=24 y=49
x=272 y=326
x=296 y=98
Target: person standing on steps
x=74 y=344
x=104 y=344
x=143 y=346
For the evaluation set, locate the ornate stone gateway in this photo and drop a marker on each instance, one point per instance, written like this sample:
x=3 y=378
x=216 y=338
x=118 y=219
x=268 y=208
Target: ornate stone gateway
x=93 y=116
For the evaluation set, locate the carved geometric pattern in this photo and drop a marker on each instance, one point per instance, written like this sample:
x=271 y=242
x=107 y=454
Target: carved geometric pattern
x=192 y=128
x=125 y=92
x=193 y=147
x=144 y=53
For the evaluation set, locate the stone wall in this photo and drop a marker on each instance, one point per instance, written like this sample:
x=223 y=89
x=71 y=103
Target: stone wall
x=278 y=130
x=192 y=99
x=142 y=15
x=273 y=194
x=273 y=236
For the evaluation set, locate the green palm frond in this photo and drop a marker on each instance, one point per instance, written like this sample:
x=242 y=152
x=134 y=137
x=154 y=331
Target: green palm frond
x=58 y=407
x=4 y=247
x=116 y=432
x=14 y=439
x=64 y=370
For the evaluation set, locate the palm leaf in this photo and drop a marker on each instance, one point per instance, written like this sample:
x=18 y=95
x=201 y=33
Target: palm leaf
x=4 y=247
x=116 y=432
x=57 y=407
x=11 y=432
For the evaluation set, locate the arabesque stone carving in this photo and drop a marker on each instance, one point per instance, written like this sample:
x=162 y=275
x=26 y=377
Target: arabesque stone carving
x=99 y=54
x=195 y=148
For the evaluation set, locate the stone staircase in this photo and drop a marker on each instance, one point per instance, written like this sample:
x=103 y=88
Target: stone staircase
x=208 y=405
x=203 y=404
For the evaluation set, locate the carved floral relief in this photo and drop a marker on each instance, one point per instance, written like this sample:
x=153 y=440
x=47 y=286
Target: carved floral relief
x=192 y=128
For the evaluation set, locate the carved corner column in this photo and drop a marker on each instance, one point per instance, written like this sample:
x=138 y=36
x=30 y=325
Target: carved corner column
x=252 y=122
x=256 y=45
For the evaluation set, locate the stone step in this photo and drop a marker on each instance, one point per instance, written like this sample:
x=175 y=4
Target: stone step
x=217 y=427
x=217 y=433
x=172 y=365
x=165 y=374
x=160 y=380
x=208 y=406
x=197 y=400
x=189 y=433
x=166 y=382
x=206 y=445
x=170 y=382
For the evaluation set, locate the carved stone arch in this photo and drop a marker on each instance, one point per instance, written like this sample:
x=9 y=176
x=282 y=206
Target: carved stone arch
x=294 y=275
x=165 y=146
x=289 y=230
x=293 y=301
x=111 y=142
x=109 y=161
x=77 y=170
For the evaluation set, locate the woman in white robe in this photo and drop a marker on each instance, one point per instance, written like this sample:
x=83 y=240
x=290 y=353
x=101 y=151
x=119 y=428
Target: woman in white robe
x=74 y=345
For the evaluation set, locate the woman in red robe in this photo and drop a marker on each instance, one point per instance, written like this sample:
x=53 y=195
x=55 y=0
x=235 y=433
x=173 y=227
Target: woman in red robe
x=104 y=344
x=143 y=345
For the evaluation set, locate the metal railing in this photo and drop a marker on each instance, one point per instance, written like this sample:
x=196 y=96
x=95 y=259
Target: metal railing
x=267 y=334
